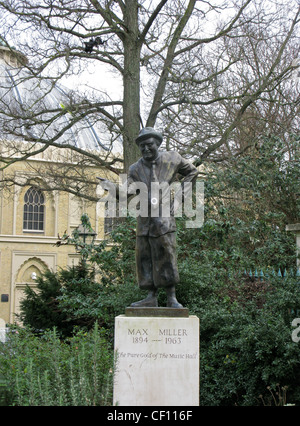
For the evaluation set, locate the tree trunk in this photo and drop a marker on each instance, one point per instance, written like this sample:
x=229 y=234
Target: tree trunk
x=131 y=82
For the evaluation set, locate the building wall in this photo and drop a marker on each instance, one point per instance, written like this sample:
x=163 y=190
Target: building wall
x=23 y=253
x=26 y=254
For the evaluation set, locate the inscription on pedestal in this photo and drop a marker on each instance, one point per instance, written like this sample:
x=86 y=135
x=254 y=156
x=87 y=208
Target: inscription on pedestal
x=157 y=361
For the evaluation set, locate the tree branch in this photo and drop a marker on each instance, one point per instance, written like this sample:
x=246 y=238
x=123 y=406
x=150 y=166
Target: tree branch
x=168 y=63
x=112 y=20
x=215 y=37
x=252 y=98
x=151 y=20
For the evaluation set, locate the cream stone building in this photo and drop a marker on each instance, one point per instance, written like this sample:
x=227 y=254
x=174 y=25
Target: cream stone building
x=33 y=215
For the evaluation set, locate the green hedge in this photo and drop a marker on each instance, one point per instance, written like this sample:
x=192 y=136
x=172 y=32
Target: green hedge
x=46 y=371
x=247 y=355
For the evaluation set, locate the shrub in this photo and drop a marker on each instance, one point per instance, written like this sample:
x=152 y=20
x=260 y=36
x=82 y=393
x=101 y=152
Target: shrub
x=246 y=351
x=45 y=371
x=40 y=310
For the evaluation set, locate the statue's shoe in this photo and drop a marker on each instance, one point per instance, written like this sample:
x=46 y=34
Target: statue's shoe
x=173 y=303
x=149 y=302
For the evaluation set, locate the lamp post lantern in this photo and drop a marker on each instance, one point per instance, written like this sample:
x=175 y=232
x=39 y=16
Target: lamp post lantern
x=86 y=234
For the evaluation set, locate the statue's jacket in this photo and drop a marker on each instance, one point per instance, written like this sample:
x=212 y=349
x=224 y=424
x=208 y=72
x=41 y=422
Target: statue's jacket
x=168 y=166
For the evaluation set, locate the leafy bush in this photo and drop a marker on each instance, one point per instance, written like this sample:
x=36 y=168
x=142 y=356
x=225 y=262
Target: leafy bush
x=40 y=309
x=249 y=200
x=44 y=371
x=246 y=350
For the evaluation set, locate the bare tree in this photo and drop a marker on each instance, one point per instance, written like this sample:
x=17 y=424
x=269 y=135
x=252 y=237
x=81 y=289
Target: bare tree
x=244 y=89
x=193 y=68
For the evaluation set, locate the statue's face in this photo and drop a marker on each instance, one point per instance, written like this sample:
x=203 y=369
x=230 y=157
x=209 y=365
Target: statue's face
x=149 y=149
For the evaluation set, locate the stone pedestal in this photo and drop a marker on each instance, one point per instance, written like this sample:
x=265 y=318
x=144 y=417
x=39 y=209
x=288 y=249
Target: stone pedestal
x=157 y=361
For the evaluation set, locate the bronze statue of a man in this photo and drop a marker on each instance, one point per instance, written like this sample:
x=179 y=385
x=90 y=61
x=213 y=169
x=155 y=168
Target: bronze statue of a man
x=156 y=261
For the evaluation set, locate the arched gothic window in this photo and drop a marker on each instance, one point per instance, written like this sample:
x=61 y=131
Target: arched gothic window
x=34 y=210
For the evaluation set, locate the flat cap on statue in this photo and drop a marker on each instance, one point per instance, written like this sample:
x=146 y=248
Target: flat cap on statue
x=148 y=132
